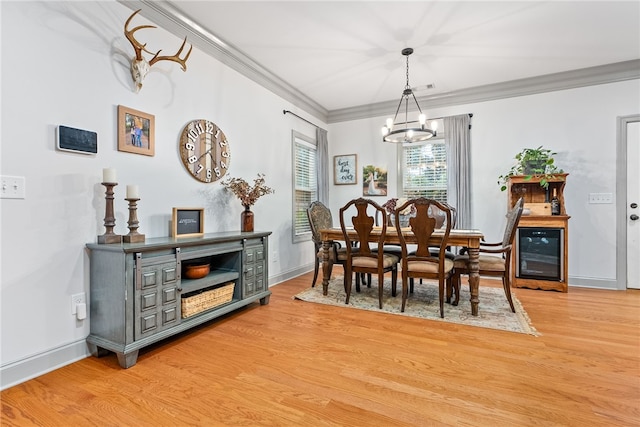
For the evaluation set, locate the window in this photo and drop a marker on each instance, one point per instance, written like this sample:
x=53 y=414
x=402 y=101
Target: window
x=305 y=189
x=423 y=170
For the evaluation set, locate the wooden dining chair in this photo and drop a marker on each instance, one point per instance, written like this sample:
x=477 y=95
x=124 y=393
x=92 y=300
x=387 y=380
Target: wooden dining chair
x=490 y=264
x=421 y=264
x=360 y=257
x=440 y=221
x=320 y=218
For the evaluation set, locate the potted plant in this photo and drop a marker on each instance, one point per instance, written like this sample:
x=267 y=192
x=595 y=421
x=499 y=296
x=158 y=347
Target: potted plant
x=533 y=162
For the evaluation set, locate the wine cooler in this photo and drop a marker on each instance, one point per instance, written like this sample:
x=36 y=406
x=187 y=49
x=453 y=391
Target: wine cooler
x=540 y=253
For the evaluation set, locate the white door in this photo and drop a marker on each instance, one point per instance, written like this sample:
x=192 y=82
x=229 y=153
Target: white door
x=633 y=205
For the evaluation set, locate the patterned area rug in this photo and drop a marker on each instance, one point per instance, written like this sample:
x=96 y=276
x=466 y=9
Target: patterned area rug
x=494 y=310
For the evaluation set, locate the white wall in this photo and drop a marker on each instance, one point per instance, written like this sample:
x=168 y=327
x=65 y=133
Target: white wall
x=69 y=65
x=579 y=124
x=66 y=63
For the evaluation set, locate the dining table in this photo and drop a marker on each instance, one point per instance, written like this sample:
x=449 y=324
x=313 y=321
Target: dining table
x=469 y=239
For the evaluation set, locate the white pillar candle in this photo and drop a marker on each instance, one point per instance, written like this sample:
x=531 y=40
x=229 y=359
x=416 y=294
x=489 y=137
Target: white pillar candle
x=132 y=192
x=109 y=175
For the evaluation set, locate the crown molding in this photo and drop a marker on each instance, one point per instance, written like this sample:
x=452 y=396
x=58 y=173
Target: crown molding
x=171 y=19
x=174 y=21
x=610 y=73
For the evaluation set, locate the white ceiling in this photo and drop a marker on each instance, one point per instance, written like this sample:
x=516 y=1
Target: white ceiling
x=344 y=54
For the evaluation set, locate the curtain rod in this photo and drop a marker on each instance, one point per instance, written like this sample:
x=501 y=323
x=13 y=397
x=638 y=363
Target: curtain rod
x=301 y=118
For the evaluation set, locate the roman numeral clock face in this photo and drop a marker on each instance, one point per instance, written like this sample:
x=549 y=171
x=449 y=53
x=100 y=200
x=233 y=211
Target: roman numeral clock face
x=204 y=150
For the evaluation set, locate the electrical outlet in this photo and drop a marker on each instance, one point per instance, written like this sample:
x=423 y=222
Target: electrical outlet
x=77 y=299
x=274 y=257
x=12 y=187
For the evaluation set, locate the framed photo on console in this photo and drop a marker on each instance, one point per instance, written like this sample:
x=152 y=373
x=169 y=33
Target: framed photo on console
x=345 y=169
x=136 y=131
x=187 y=222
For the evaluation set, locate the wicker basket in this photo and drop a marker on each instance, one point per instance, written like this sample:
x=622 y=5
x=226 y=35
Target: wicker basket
x=198 y=303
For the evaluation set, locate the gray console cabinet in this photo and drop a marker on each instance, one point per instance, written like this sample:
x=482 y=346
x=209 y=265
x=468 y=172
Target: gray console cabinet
x=136 y=289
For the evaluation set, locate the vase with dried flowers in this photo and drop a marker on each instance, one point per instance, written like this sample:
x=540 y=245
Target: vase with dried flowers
x=248 y=195
x=391 y=205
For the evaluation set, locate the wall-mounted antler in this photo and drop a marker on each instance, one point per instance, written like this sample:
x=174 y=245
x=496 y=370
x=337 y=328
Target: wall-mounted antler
x=139 y=65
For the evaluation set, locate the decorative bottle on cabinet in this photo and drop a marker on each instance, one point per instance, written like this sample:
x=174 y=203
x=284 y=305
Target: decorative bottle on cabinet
x=555 y=203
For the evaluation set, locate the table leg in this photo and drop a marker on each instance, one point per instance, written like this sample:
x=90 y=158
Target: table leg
x=474 y=278
x=326 y=266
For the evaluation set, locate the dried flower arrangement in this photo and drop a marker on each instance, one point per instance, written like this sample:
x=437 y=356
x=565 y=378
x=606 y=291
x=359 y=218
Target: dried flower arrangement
x=247 y=194
x=391 y=205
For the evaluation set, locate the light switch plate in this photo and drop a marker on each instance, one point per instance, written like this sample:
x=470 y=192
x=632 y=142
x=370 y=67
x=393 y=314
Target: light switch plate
x=12 y=187
x=600 y=198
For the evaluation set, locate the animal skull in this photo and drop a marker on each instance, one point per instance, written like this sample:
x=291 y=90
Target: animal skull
x=140 y=66
x=139 y=70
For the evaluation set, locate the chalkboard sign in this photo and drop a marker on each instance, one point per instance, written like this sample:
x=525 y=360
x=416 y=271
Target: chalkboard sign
x=187 y=222
x=77 y=140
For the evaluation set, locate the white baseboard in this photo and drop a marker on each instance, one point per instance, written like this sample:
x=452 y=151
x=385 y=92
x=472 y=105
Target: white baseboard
x=274 y=280
x=589 y=282
x=31 y=367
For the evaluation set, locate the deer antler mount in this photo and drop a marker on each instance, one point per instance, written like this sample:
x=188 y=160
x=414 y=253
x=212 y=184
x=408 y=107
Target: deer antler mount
x=139 y=65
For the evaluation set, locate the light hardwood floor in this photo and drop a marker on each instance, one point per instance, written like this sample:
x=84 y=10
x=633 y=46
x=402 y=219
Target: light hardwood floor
x=292 y=363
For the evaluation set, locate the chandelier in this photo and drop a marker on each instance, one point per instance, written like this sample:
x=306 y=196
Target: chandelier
x=400 y=132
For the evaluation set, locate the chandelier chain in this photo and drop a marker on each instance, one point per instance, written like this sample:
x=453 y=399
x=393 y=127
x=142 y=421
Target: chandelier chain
x=407 y=86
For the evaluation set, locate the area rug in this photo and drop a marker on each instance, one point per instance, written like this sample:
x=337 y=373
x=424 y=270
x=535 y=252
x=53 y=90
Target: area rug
x=494 y=311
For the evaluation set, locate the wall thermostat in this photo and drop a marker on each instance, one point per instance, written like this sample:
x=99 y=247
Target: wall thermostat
x=76 y=140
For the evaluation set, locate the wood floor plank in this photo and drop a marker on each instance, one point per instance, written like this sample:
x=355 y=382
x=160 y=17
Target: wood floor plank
x=293 y=363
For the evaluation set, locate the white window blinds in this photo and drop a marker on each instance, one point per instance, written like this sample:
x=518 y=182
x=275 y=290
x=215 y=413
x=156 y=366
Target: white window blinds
x=305 y=186
x=424 y=170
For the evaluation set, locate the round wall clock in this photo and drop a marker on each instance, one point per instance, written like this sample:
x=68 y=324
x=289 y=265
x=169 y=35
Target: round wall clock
x=204 y=150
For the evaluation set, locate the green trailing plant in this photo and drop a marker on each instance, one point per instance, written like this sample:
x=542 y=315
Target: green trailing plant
x=533 y=162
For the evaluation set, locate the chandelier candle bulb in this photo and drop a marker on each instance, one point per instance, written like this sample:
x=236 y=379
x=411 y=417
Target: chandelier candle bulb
x=389 y=123
x=132 y=192
x=109 y=175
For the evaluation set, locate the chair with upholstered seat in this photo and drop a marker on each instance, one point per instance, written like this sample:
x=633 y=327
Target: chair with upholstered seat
x=360 y=257
x=491 y=265
x=320 y=218
x=421 y=263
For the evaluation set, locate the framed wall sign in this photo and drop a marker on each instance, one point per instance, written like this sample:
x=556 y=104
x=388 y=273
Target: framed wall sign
x=345 y=169
x=187 y=222
x=136 y=131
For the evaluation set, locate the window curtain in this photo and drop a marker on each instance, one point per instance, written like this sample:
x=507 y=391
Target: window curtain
x=322 y=165
x=458 y=142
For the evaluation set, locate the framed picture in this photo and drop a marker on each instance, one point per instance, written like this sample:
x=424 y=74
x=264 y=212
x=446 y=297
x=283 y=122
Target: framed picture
x=187 y=222
x=345 y=169
x=136 y=131
x=374 y=181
